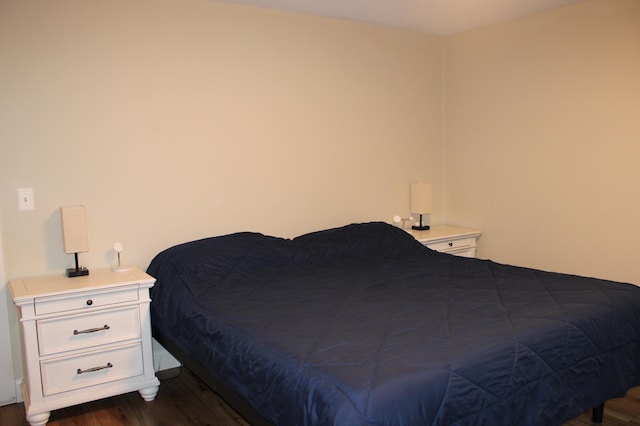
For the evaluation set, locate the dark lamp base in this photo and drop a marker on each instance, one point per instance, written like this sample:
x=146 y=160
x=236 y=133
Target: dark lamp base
x=77 y=272
x=421 y=228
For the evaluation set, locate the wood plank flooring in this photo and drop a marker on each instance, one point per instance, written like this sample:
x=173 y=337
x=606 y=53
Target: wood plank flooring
x=183 y=400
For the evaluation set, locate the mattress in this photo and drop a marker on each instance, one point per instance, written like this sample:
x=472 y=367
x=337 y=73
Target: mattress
x=363 y=325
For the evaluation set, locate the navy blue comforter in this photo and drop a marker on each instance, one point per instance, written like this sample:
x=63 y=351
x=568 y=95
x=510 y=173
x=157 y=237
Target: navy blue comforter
x=362 y=325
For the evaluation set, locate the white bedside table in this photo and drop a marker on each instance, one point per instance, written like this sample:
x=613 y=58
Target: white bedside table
x=449 y=239
x=84 y=338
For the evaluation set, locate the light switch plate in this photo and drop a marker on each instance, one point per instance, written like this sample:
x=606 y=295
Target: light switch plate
x=25 y=199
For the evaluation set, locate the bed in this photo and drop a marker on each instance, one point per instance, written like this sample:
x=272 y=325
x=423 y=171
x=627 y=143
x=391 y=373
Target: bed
x=363 y=325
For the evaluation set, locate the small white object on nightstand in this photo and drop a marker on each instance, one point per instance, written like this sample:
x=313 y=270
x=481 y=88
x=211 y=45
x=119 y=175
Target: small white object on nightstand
x=397 y=220
x=119 y=268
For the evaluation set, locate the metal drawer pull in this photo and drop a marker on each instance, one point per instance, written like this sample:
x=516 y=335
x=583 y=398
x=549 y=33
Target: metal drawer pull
x=89 y=370
x=89 y=302
x=91 y=330
x=451 y=244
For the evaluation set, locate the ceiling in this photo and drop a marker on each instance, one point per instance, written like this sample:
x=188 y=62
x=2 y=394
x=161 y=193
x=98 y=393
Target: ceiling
x=437 y=17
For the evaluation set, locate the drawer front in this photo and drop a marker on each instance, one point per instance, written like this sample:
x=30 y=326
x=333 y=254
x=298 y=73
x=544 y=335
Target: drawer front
x=85 y=300
x=452 y=244
x=90 y=369
x=465 y=252
x=88 y=330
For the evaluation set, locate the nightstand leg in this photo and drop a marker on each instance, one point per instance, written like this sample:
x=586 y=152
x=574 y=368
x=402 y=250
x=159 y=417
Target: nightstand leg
x=148 y=394
x=39 y=419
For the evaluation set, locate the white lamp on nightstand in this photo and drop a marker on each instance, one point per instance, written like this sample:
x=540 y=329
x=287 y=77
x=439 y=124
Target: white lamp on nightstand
x=74 y=236
x=420 y=202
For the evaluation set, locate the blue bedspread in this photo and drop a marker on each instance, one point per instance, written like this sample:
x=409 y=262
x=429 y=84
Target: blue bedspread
x=362 y=325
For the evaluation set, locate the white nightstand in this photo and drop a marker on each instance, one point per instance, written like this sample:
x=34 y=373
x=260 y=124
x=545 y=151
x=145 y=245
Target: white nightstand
x=84 y=338
x=449 y=239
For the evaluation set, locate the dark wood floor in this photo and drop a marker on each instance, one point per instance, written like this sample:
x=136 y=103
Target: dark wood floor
x=183 y=400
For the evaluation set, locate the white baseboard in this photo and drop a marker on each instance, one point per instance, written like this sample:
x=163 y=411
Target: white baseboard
x=8 y=396
x=162 y=359
x=19 y=390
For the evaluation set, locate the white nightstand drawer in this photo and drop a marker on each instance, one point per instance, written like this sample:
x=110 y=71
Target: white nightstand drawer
x=452 y=244
x=89 y=299
x=464 y=252
x=88 y=330
x=65 y=374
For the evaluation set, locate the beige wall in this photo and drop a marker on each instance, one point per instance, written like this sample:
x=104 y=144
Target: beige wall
x=174 y=120
x=542 y=138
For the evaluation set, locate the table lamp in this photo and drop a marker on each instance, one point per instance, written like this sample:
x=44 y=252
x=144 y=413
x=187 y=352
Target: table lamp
x=420 y=203
x=74 y=236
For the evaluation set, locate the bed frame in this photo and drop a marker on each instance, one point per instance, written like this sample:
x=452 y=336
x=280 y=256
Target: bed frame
x=229 y=396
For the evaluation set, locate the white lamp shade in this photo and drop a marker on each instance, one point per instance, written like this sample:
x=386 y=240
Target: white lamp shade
x=74 y=229
x=421 y=198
